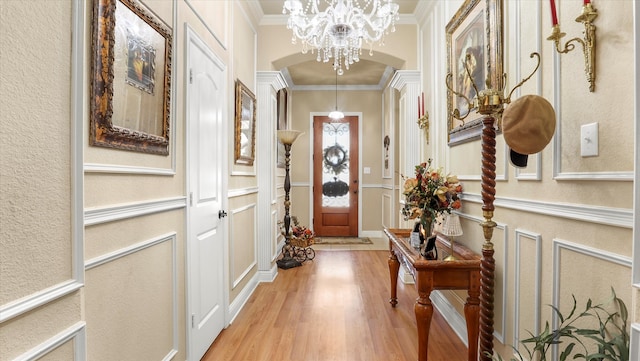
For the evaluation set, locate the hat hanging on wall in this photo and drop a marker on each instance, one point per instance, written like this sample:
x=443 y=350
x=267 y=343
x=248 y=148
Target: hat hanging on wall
x=528 y=124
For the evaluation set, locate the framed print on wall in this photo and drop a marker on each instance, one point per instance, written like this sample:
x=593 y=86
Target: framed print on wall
x=130 y=78
x=245 y=135
x=474 y=40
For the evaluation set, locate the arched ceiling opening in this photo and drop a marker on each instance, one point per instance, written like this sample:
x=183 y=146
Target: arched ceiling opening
x=304 y=71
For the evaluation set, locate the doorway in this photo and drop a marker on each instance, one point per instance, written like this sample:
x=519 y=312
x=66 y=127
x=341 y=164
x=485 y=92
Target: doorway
x=335 y=176
x=206 y=288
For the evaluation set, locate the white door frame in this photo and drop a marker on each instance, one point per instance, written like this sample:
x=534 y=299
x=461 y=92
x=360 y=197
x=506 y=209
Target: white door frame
x=192 y=36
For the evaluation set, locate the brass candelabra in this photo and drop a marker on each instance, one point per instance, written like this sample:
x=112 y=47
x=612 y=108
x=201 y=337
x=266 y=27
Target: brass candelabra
x=588 y=42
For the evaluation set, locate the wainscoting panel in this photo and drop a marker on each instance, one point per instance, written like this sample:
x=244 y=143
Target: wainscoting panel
x=73 y=337
x=588 y=266
x=132 y=294
x=387 y=211
x=242 y=247
x=528 y=261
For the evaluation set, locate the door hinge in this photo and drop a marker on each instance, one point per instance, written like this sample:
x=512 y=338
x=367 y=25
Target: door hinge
x=190 y=76
x=191 y=199
x=193 y=320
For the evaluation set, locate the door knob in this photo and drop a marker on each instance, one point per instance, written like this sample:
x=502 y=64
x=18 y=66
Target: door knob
x=221 y=214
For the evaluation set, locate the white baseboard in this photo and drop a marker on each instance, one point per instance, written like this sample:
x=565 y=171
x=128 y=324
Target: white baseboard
x=451 y=315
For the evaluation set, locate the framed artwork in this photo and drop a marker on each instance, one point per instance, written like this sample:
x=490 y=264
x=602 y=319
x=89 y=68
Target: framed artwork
x=130 y=78
x=282 y=123
x=245 y=136
x=474 y=57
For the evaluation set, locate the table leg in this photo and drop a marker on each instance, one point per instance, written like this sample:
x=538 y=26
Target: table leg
x=472 y=315
x=394 y=267
x=424 y=311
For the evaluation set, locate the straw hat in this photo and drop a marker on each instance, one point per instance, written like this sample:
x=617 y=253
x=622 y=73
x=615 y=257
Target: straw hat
x=528 y=124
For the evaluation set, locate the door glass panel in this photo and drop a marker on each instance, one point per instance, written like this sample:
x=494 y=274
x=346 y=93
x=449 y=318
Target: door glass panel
x=335 y=171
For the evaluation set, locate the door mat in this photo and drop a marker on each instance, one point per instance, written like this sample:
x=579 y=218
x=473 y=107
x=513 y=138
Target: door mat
x=342 y=240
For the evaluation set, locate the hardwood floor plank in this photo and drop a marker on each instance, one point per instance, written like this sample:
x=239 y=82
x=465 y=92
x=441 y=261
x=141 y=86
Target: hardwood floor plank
x=334 y=308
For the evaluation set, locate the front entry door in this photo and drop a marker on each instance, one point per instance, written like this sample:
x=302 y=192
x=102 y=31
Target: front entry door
x=205 y=226
x=335 y=176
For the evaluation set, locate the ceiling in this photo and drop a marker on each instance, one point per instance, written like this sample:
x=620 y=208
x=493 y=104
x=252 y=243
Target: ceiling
x=311 y=73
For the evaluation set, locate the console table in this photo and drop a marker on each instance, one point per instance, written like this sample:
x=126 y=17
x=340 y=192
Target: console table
x=463 y=273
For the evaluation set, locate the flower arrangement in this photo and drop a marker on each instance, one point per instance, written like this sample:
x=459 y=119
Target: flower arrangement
x=430 y=194
x=300 y=235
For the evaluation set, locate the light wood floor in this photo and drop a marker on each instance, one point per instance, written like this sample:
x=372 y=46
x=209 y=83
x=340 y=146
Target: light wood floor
x=333 y=308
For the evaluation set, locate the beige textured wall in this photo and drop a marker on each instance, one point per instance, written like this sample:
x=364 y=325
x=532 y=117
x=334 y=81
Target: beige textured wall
x=36 y=209
x=553 y=216
x=132 y=295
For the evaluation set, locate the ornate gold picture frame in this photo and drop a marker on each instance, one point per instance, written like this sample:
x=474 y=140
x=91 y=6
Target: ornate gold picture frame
x=475 y=40
x=245 y=131
x=130 y=78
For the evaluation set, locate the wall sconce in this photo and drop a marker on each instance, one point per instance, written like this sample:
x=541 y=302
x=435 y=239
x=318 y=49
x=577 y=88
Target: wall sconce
x=423 y=117
x=588 y=42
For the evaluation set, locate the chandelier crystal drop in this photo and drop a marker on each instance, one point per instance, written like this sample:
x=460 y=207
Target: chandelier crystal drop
x=338 y=31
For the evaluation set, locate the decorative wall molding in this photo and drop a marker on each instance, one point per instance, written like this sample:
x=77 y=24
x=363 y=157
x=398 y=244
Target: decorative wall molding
x=239 y=192
x=522 y=61
x=386 y=203
x=222 y=39
x=252 y=237
x=99 y=215
x=522 y=235
x=558 y=173
x=76 y=334
x=35 y=300
x=618 y=217
x=76 y=282
x=558 y=246
x=123 y=252
x=244 y=173
x=127 y=169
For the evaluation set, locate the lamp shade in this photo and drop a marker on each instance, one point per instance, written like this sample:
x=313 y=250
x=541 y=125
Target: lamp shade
x=451 y=226
x=288 y=136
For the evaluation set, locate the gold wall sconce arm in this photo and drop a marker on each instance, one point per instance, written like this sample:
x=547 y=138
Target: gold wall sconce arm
x=588 y=42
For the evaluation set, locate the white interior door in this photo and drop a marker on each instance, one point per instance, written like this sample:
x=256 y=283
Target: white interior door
x=205 y=225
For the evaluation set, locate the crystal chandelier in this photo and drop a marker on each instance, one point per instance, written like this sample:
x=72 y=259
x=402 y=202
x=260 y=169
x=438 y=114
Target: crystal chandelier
x=338 y=31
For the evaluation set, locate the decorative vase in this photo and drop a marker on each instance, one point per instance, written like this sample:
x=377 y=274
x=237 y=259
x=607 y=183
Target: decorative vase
x=426 y=227
x=427 y=240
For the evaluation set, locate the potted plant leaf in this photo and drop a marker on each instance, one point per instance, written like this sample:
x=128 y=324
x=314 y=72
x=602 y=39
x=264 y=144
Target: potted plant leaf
x=608 y=339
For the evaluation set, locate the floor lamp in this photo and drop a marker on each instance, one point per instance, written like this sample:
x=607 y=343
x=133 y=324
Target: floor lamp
x=287 y=137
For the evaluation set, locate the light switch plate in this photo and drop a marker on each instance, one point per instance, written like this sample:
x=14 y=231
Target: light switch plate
x=589 y=140
x=366 y=170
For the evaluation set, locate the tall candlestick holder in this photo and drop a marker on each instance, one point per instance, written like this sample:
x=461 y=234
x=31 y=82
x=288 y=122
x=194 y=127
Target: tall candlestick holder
x=490 y=103
x=588 y=42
